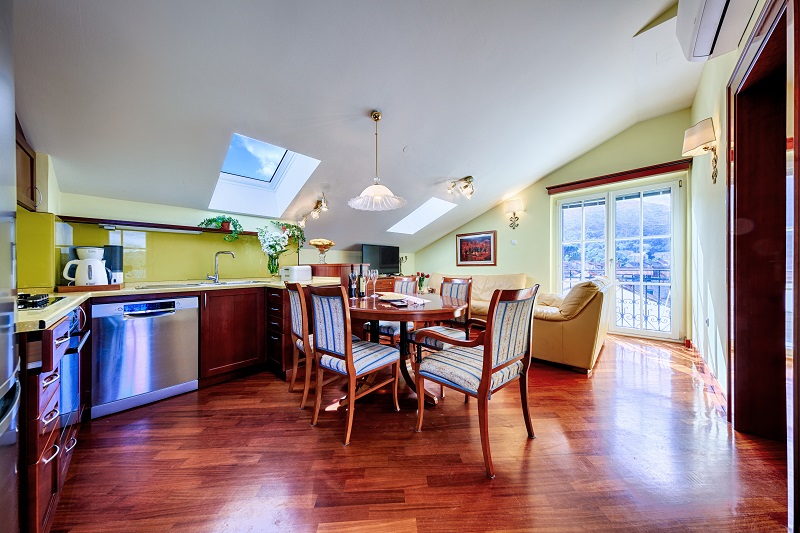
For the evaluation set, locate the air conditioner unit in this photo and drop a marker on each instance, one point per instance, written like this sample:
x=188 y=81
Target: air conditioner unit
x=709 y=28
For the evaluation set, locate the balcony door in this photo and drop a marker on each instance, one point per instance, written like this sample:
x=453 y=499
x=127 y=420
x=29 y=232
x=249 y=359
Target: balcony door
x=634 y=236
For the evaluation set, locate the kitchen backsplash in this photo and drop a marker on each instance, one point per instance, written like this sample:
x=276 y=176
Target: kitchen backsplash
x=43 y=248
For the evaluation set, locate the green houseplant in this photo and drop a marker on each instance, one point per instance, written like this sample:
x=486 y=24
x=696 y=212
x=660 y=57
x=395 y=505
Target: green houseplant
x=225 y=222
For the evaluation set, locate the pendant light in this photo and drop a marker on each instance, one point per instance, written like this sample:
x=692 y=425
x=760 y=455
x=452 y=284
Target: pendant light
x=376 y=197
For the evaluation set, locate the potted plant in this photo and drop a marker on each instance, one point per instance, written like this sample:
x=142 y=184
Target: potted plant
x=295 y=233
x=224 y=222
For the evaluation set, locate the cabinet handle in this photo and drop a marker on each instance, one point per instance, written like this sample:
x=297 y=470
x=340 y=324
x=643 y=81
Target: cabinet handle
x=58 y=449
x=274 y=309
x=273 y=337
x=82 y=313
x=52 y=414
x=274 y=323
x=61 y=340
x=205 y=299
x=71 y=444
x=49 y=380
x=41 y=197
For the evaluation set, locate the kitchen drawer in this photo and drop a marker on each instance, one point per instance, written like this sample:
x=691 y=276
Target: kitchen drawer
x=41 y=388
x=275 y=323
x=69 y=440
x=39 y=430
x=55 y=341
x=43 y=486
x=275 y=299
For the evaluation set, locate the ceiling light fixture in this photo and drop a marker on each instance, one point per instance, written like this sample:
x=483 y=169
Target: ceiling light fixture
x=700 y=139
x=464 y=186
x=321 y=205
x=376 y=197
x=512 y=207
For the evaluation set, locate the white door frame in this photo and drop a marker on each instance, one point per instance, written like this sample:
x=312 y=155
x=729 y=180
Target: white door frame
x=677 y=248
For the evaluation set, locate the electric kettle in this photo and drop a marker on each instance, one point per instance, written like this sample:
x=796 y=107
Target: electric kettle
x=87 y=272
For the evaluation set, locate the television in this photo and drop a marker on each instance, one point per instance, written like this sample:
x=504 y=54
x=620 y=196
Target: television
x=385 y=258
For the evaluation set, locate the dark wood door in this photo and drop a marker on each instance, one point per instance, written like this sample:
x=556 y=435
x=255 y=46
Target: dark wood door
x=232 y=330
x=28 y=195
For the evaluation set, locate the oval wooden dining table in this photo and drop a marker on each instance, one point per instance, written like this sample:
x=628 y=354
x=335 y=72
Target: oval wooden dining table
x=435 y=309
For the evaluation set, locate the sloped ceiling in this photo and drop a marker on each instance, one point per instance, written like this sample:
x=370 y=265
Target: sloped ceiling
x=138 y=99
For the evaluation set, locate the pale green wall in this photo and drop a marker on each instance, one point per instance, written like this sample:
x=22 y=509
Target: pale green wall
x=708 y=291
x=651 y=142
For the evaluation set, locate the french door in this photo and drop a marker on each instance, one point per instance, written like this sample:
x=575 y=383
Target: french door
x=635 y=237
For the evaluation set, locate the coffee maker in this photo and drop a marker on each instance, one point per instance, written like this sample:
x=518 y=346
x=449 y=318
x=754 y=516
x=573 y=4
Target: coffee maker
x=113 y=257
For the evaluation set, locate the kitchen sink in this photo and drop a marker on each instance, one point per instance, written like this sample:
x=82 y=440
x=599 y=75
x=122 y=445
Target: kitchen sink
x=240 y=282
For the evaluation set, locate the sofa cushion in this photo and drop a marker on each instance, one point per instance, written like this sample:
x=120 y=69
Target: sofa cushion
x=547 y=312
x=580 y=295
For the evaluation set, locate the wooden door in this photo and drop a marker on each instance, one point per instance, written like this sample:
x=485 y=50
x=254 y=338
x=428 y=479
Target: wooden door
x=232 y=330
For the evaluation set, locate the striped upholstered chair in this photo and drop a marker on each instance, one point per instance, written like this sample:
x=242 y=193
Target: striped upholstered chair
x=454 y=289
x=499 y=355
x=403 y=285
x=336 y=351
x=302 y=339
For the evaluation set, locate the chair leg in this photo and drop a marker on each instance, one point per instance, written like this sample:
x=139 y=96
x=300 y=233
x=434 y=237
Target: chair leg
x=295 y=364
x=351 y=407
x=483 y=420
x=317 y=395
x=395 y=384
x=420 y=399
x=307 y=385
x=523 y=393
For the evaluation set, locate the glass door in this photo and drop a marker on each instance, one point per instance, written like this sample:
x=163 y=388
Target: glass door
x=634 y=236
x=646 y=266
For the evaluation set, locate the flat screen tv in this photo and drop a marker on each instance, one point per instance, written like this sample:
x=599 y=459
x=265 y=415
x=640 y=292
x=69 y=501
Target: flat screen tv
x=385 y=258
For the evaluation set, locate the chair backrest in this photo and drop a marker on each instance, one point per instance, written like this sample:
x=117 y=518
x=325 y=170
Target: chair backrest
x=332 y=323
x=458 y=289
x=297 y=306
x=405 y=285
x=509 y=329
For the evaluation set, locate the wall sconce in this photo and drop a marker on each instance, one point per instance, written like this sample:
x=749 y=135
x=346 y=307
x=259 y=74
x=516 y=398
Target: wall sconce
x=321 y=205
x=700 y=139
x=464 y=186
x=513 y=207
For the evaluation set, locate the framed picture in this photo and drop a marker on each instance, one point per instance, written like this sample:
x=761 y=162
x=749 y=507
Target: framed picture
x=476 y=249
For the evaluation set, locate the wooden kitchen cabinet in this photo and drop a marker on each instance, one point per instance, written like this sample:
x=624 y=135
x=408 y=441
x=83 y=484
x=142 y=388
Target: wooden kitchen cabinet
x=231 y=330
x=50 y=414
x=29 y=195
x=279 y=339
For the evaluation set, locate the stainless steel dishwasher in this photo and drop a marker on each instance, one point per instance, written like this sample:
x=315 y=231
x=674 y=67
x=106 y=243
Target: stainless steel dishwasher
x=143 y=352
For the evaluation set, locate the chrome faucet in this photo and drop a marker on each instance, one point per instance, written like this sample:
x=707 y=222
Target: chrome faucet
x=215 y=277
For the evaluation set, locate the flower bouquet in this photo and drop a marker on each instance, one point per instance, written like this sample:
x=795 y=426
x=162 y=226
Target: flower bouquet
x=421 y=280
x=273 y=244
x=322 y=246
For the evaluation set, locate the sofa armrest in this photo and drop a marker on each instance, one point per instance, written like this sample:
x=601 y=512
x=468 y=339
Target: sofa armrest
x=549 y=299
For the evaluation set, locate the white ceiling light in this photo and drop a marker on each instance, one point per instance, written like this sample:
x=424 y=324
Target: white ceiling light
x=422 y=216
x=376 y=197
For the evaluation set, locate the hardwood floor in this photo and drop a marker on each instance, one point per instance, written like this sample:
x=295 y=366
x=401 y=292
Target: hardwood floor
x=641 y=445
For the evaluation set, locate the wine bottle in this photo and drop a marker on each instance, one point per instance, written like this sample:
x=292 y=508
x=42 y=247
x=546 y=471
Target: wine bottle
x=362 y=282
x=352 y=290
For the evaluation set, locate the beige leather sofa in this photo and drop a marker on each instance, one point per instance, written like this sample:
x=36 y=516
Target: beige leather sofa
x=571 y=330
x=483 y=286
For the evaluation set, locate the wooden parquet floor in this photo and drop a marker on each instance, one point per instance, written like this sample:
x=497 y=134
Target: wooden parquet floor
x=642 y=445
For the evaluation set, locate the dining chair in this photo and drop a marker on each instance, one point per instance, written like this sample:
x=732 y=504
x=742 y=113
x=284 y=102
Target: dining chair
x=451 y=290
x=403 y=285
x=336 y=351
x=499 y=355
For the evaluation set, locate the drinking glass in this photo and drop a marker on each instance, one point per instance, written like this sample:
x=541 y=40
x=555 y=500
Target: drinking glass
x=373 y=276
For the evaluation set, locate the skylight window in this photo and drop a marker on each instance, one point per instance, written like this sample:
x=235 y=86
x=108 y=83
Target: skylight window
x=251 y=158
x=422 y=216
x=259 y=178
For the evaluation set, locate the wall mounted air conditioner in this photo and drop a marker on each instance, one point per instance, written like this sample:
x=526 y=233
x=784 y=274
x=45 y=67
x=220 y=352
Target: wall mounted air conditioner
x=709 y=28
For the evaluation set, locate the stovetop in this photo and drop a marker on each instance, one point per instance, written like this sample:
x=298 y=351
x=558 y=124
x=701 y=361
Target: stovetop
x=36 y=301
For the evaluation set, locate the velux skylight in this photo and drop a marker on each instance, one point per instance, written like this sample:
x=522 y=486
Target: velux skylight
x=258 y=178
x=251 y=158
x=422 y=216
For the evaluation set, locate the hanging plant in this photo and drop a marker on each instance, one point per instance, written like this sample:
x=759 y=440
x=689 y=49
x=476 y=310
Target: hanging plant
x=295 y=233
x=225 y=222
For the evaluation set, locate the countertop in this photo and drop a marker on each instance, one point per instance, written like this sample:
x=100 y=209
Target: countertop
x=36 y=319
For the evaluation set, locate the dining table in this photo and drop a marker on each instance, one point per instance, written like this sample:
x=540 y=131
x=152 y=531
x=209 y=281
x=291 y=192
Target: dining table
x=421 y=309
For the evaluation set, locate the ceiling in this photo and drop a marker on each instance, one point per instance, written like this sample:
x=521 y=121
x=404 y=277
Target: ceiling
x=138 y=100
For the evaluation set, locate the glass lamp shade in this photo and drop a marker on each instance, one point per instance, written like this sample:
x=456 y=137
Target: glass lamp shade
x=376 y=197
x=698 y=138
